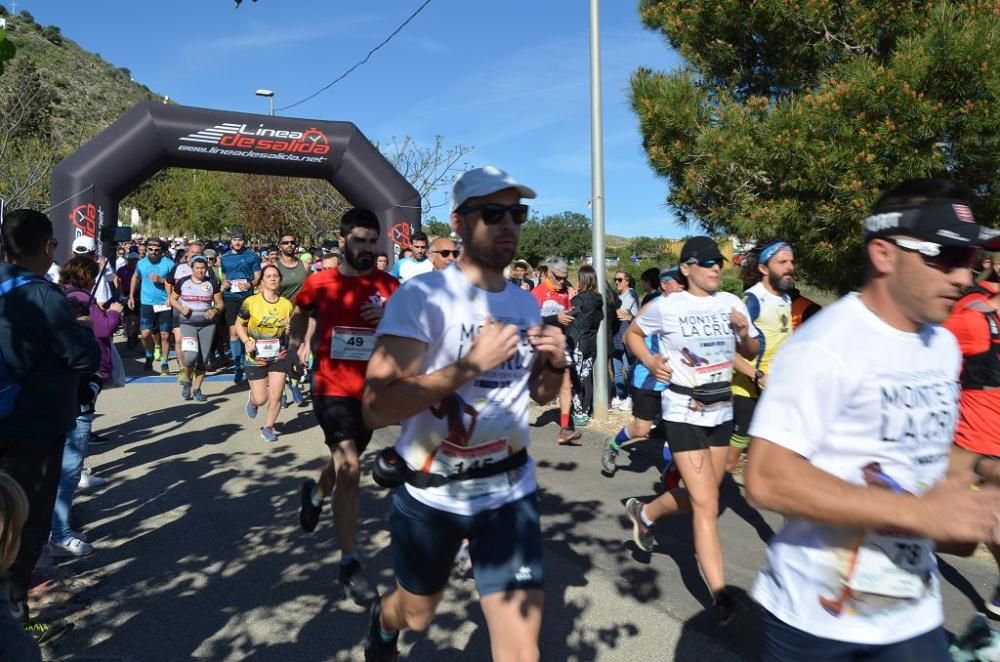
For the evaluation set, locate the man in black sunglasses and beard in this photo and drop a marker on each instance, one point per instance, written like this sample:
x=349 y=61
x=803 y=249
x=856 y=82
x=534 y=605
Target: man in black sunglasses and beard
x=851 y=439
x=459 y=353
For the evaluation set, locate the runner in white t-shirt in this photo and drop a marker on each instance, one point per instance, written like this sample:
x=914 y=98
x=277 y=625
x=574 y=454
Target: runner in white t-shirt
x=858 y=417
x=459 y=353
x=700 y=330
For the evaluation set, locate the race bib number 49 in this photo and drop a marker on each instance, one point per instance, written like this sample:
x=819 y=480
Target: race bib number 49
x=352 y=343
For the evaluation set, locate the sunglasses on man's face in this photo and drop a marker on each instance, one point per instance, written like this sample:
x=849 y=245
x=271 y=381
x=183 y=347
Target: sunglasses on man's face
x=619 y=280
x=447 y=253
x=943 y=258
x=493 y=213
x=560 y=278
x=288 y=243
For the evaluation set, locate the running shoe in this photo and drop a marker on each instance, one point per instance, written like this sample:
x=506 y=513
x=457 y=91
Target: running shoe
x=69 y=547
x=642 y=535
x=267 y=434
x=199 y=396
x=378 y=649
x=297 y=396
x=237 y=376
x=156 y=353
x=608 y=457
x=308 y=513
x=581 y=421
x=89 y=481
x=724 y=606
x=993 y=606
x=251 y=407
x=46 y=633
x=615 y=401
x=353 y=579
x=567 y=436
x=625 y=405
x=164 y=368
x=148 y=364
x=186 y=390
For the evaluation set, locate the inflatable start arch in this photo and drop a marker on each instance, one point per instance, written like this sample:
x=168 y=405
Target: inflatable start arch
x=88 y=185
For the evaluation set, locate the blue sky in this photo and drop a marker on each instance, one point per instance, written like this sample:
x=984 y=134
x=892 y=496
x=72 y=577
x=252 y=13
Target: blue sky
x=510 y=79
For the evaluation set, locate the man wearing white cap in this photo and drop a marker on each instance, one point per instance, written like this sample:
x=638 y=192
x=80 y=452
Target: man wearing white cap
x=106 y=277
x=459 y=353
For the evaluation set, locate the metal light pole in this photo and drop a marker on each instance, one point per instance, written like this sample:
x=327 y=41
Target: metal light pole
x=270 y=99
x=597 y=208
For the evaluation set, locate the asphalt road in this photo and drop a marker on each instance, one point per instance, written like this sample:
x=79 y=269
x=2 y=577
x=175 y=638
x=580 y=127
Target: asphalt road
x=199 y=552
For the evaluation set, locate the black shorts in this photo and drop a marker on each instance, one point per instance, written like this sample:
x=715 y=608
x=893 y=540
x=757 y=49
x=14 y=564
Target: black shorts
x=341 y=419
x=505 y=545
x=255 y=372
x=742 y=414
x=232 y=309
x=646 y=404
x=687 y=437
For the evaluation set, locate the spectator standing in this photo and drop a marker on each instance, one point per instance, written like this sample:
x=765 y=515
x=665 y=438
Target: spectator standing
x=553 y=296
x=621 y=360
x=588 y=307
x=519 y=275
x=45 y=351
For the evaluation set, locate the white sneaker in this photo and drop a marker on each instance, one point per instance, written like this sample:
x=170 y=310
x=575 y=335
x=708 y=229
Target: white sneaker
x=625 y=405
x=89 y=481
x=70 y=547
x=616 y=402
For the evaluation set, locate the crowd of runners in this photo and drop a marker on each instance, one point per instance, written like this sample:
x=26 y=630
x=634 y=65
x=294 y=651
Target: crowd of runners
x=866 y=424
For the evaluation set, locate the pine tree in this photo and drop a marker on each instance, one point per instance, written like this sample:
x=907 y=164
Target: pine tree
x=789 y=117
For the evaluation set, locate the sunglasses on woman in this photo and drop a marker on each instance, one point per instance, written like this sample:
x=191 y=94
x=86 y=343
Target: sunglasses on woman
x=493 y=213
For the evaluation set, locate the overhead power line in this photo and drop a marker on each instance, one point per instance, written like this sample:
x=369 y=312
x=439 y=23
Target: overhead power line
x=366 y=58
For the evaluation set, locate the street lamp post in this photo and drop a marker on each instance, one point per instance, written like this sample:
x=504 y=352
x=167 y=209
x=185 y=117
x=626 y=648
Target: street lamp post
x=597 y=207
x=270 y=99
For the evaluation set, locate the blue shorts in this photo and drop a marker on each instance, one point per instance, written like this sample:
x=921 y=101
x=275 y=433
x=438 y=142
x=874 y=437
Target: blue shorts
x=153 y=321
x=784 y=643
x=505 y=545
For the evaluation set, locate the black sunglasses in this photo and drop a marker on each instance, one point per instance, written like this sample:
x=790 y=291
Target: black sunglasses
x=619 y=280
x=448 y=253
x=494 y=213
x=706 y=264
x=943 y=258
x=287 y=243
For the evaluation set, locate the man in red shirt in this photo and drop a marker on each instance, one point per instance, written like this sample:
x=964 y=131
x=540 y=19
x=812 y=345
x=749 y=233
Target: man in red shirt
x=342 y=307
x=553 y=296
x=975 y=323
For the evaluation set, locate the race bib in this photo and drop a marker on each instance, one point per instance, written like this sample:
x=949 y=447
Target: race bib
x=892 y=566
x=452 y=459
x=268 y=349
x=352 y=343
x=189 y=344
x=717 y=372
x=234 y=285
x=161 y=308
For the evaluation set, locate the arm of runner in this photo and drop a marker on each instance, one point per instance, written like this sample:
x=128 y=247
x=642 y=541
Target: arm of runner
x=217 y=305
x=747 y=343
x=635 y=341
x=256 y=278
x=131 y=290
x=549 y=364
x=395 y=391
x=299 y=335
x=781 y=480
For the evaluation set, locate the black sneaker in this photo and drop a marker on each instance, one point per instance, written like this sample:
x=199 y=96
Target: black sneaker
x=642 y=535
x=148 y=364
x=376 y=648
x=46 y=633
x=308 y=513
x=353 y=579
x=724 y=606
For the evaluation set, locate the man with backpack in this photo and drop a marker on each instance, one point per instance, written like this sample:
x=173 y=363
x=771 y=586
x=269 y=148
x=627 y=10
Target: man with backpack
x=44 y=351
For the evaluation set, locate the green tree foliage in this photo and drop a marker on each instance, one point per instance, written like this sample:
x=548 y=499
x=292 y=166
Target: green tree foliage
x=566 y=235
x=436 y=228
x=789 y=118
x=27 y=147
x=7 y=49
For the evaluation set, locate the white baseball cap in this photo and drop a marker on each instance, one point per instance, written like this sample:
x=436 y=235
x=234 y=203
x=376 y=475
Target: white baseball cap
x=83 y=245
x=484 y=181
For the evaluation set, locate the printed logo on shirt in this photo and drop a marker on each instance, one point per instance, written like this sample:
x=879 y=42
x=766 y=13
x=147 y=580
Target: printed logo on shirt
x=705 y=325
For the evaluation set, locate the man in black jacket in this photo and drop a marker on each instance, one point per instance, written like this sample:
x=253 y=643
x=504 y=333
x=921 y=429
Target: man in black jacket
x=46 y=351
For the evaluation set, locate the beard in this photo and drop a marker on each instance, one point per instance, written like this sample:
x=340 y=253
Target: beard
x=492 y=256
x=781 y=283
x=361 y=261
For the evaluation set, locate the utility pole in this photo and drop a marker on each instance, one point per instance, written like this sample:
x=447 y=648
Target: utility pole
x=597 y=209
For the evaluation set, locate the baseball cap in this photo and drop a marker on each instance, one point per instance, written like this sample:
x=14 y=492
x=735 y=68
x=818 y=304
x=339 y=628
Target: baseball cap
x=331 y=251
x=670 y=273
x=210 y=253
x=484 y=181
x=199 y=258
x=948 y=222
x=237 y=234
x=84 y=245
x=698 y=249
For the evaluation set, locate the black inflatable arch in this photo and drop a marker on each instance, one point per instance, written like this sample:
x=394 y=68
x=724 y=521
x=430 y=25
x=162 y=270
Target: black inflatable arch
x=88 y=185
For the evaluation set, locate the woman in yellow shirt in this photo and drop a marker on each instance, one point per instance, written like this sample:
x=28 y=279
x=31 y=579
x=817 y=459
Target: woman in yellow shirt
x=263 y=327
